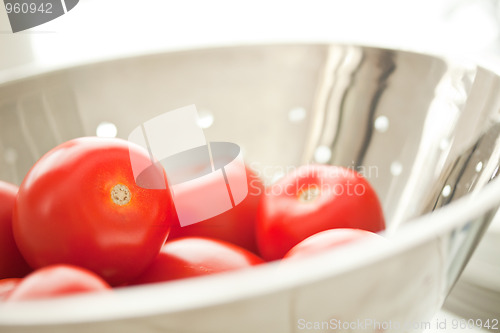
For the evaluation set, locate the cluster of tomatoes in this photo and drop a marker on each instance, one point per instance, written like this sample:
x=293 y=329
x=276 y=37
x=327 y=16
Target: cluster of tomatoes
x=79 y=222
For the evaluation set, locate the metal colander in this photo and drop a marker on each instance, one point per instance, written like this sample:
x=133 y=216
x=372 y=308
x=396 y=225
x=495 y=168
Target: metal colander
x=423 y=130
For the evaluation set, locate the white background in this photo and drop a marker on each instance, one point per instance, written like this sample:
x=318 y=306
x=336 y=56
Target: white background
x=97 y=29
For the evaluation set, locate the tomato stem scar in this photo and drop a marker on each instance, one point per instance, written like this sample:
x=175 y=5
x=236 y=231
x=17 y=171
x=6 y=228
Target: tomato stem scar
x=120 y=194
x=309 y=194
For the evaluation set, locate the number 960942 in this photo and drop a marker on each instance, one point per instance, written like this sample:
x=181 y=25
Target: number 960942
x=28 y=7
x=490 y=324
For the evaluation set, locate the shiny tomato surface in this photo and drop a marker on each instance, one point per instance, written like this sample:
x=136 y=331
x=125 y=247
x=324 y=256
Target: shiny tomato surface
x=329 y=240
x=12 y=264
x=311 y=199
x=80 y=205
x=55 y=281
x=236 y=225
x=197 y=256
x=7 y=285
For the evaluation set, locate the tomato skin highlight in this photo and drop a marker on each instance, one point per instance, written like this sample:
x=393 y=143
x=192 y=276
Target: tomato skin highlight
x=55 y=281
x=236 y=226
x=66 y=210
x=196 y=256
x=312 y=199
x=7 y=285
x=12 y=263
x=328 y=240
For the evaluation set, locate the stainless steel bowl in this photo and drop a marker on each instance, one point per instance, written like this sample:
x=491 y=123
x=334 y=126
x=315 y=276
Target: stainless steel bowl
x=423 y=129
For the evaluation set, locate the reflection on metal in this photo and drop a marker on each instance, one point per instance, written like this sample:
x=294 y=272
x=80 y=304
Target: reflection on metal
x=336 y=82
x=467 y=174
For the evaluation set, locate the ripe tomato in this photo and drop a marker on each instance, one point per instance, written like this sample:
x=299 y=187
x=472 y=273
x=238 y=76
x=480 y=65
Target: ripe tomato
x=12 y=264
x=312 y=199
x=56 y=280
x=7 y=285
x=196 y=256
x=80 y=205
x=236 y=226
x=327 y=240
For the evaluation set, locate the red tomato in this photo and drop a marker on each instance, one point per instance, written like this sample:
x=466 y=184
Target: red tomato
x=56 y=280
x=196 y=256
x=7 y=285
x=236 y=225
x=12 y=264
x=315 y=198
x=327 y=240
x=80 y=205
